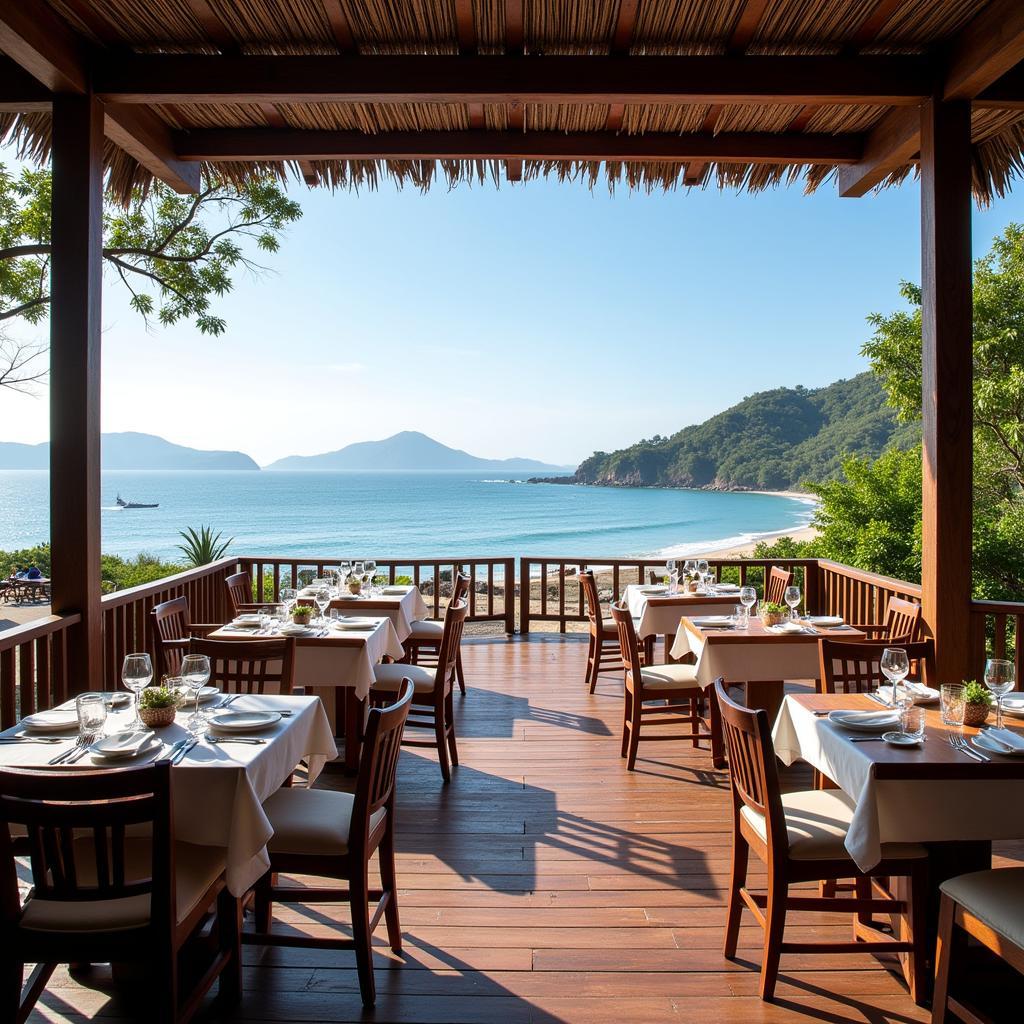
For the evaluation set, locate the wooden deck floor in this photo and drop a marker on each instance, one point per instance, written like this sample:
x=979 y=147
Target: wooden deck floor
x=547 y=884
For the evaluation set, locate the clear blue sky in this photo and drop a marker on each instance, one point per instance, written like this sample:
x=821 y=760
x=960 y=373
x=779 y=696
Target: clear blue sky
x=540 y=320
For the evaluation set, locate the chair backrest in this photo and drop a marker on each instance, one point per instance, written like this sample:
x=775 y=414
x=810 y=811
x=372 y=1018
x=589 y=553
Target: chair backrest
x=78 y=826
x=461 y=589
x=853 y=667
x=775 y=585
x=451 y=638
x=378 y=763
x=753 y=771
x=902 y=619
x=592 y=598
x=170 y=627
x=249 y=666
x=239 y=591
x=629 y=647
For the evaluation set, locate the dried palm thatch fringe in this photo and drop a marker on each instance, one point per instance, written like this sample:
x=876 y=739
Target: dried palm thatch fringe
x=549 y=27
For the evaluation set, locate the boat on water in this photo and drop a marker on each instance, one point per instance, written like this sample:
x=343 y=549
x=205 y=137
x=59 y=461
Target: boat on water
x=121 y=503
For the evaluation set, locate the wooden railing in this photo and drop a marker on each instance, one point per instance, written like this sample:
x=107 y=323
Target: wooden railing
x=997 y=631
x=856 y=595
x=491 y=592
x=34 y=667
x=126 y=613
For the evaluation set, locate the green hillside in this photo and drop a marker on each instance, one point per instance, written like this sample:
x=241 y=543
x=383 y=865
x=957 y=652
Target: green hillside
x=773 y=440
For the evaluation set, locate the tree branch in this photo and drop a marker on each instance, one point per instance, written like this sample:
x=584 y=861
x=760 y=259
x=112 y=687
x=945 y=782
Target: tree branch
x=7 y=314
x=17 y=252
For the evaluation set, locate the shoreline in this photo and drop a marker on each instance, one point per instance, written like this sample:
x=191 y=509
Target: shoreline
x=799 y=533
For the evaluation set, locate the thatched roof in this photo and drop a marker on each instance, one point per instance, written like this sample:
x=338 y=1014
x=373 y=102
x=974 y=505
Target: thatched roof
x=532 y=30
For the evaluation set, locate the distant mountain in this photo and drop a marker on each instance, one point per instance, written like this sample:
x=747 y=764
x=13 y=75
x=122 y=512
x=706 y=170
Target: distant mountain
x=129 y=451
x=772 y=440
x=410 y=451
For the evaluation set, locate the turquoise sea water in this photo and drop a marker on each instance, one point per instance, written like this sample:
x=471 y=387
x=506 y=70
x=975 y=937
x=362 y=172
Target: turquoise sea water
x=391 y=515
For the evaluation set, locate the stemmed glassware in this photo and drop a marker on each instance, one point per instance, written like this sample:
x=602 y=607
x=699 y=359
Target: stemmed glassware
x=689 y=568
x=357 y=570
x=323 y=599
x=195 y=671
x=288 y=596
x=999 y=678
x=792 y=598
x=370 y=567
x=748 y=598
x=137 y=674
x=895 y=667
x=673 y=575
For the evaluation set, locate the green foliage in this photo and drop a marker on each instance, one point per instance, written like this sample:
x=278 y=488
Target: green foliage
x=773 y=440
x=158 y=697
x=771 y=608
x=975 y=693
x=121 y=573
x=11 y=561
x=173 y=253
x=203 y=546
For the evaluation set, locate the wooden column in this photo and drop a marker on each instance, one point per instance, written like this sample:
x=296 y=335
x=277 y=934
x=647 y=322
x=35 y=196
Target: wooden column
x=947 y=381
x=75 y=377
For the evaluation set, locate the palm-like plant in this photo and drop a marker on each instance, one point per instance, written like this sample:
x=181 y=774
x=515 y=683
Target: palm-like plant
x=203 y=546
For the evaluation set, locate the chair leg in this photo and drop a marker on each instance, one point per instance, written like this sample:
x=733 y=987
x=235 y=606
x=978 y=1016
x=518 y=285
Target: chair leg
x=229 y=923
x=694 y=723
x=449 y=714
x=918 y=928
x=264 y=907
x=717 y=739
x=634 y=731
x=627 y=717
x=10 y=998
x=775 y=924
x=442 y=746
x=166 y=983
x=943 y=957
x=459 y=674
x=386 y=854
x=360 y=903
x=595 y=665
x=738 y=879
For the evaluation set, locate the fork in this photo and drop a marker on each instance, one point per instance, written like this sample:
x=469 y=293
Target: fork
x=65 y=757
x=959 y=743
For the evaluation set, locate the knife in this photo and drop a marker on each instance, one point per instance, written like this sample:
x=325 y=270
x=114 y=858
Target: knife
x=187 y=745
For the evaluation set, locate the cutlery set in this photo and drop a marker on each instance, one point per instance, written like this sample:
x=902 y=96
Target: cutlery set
x=957 y=742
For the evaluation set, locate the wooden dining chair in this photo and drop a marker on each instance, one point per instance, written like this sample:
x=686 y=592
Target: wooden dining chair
x=675 y=684
x=426 y=635
x=902 y=622
x=800 y=838
x=249 y=666
x=171 y=631
x=239 y=587
x=603 y=653
x=848 y=666
x=988 y=906
x=333 y=835
x=109 y=884
x=432 y=698
x=776 y=584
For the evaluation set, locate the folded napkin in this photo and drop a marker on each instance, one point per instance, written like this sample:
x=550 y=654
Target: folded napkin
x=787 y=627
x=1008 y=738
x=870 y=718
x=124 y=742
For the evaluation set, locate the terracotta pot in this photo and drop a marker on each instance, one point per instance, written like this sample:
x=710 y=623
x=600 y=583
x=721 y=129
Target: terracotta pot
x=157 y=718
x=771 y=618
x=355 y=586
x=976 y=714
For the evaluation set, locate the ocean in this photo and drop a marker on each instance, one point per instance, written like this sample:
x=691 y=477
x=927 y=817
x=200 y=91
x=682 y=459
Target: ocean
x=394 y=515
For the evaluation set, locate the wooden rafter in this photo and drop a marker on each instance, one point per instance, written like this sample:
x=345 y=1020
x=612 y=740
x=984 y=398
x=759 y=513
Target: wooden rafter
x=340 y=27
x=622 y=39
x=141 y=134
x=217 y=32
x=20 y=93
x=515 y=38
x=275 y=119
x=1005 y=94
x=891 y=144
x=893 y=81
x=226 y=144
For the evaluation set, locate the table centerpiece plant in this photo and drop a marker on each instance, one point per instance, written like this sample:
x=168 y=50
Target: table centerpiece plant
x=158 y=705
x=977 y=703
x=301 y=614
x=771 y=613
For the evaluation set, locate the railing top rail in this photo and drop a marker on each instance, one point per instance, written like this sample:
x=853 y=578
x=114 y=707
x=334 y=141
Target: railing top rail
x=604 y=560
x=869 y=577
x=321 y=560
x=33 y=630
x=121 y=597
x=998 y=607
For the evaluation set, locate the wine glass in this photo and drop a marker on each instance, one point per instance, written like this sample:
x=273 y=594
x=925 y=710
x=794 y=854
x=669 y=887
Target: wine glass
x=673 y=574
x=895 y=666
x=999 y=678
x=323 y=599
x=689 y=567
x=702 y=566
x=195 y=671
x=371 y=571
x=792 y=598
x=137 y=674
x=748 y=598
x=344 y=571
x=288 y=596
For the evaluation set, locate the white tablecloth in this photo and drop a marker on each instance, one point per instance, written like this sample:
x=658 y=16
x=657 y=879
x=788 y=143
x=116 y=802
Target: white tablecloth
x=898 y=810
x=219 y=791
x=659 y=615
x=401 y=609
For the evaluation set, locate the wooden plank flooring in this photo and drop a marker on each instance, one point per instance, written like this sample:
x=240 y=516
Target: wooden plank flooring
x=547 y=884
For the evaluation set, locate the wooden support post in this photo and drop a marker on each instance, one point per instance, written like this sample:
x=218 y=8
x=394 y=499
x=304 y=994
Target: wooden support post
x=75 y=378
x=947 y=381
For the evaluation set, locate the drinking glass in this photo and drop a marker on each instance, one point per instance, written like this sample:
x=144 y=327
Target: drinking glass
x=344 y=571
x=895 y=665
x=912 y=721
x=323 y=599
x=748 y=598
x=670 y=565
x=288 y=596
x=137 y=674
x=741 y=616
x=999 y=679
x=689 y=568
x=951 y=700
x=195 y=671
x=371 y=571
x=357 y=570
x=702 y=567
x=792 y=598
x=92 y=715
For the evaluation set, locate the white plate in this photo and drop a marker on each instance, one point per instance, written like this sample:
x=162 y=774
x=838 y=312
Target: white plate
x=727 y=588
x=825 y=620
x=712 y=620
x=349 y=597
x=856 y=721
x=1013 y=704
x=897 y=739
x=355 y=623
x=921 y=694
x=393 y=590
x=653 y=588
x=51 y=721
x=294 y=630
x=121 y=746
x=992 y=746
x=248 y=619
x=243 y=721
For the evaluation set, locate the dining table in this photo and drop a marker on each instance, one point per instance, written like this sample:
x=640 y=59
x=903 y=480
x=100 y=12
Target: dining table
x=220 y=784
x=403 y=604
x=335 y=662
x=954 y=801
x=656 y=610
x=760 y=657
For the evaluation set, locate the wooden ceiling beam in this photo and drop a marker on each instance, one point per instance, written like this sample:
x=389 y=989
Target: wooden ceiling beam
x=892 y=143
x=142 y=135
x=874 y=21
x=216 y=144
x=340 y=27
x=893 y=81
x=625 y=22
x=746 y=25
x=515 y=31
x=465 y=29
x=989 y=46
x=20 y=93
x=1005 y=94
x=275 y=119
x=216 y=31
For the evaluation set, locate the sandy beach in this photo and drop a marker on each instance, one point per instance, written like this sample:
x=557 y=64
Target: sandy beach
x=744 y=550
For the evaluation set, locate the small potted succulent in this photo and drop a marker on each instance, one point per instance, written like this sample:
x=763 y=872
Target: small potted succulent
x=354 y=585
x=301 y=614
x=977 y=703
x=771 y=613
x=157 y=706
